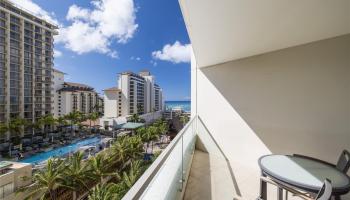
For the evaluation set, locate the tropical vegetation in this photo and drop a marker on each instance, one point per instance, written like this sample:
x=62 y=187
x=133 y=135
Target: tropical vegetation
x=45 y=125
x=105 y=176
x=184 y=119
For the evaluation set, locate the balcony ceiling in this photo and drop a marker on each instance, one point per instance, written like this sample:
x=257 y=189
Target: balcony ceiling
x=226 y=30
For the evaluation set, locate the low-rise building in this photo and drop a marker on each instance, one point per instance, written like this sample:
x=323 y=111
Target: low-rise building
x=71 y=97
x=14 y=175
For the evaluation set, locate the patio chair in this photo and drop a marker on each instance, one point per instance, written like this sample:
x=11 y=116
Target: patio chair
x=343 y=163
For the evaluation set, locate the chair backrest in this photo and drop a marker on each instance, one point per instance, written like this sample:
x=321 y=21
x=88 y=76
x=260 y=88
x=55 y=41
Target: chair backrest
x=344 y=162
x=326 y=191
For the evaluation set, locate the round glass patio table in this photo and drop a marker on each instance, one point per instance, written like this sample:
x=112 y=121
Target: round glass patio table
x=304 y=173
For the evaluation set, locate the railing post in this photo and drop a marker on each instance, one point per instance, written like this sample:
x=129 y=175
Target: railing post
x=182 y=163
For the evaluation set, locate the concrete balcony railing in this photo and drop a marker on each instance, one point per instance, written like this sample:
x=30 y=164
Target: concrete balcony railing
x=192 y=167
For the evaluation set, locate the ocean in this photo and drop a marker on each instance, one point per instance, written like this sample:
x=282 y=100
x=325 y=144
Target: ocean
x=185 y=105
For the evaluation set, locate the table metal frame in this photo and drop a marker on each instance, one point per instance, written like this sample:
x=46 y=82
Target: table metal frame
x=264 y=179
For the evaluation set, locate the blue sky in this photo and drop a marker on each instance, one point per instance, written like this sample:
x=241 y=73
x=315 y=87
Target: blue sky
x=150 y=35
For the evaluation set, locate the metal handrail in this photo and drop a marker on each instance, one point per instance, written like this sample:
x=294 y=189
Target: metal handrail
x=139 y=187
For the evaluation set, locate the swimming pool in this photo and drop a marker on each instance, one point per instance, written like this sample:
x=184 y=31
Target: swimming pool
x=61 y=151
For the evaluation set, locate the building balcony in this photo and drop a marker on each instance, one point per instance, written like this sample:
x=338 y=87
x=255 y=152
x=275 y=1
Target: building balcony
x=191 y=167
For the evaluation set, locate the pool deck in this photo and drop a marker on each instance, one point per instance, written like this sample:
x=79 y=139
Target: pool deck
x=61 y=151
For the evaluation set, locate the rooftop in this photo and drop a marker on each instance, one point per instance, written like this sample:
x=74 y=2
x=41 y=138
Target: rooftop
x=56 y=70
x=26 y=13
x=130 y=125
x=69 y=86
x=112 y=89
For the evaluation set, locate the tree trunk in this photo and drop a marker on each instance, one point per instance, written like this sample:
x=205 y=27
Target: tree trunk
x=52 y=195
x=147 y=147
x=152 y=146
x=71 y=129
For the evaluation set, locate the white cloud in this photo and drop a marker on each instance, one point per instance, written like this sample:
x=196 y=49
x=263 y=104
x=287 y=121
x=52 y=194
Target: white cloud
x=154 y=63
x=75 y=13
x=135 y=58
x=94 y=30
x=57 y=53
x=36 y=10
x=175 y=53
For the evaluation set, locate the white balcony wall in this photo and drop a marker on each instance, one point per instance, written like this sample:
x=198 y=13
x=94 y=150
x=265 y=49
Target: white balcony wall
x=295 y=100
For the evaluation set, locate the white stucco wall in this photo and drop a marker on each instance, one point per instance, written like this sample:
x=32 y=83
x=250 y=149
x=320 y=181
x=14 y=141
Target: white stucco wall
x=295 y=100
x=58 y=81
x=124 y=86
x=110 y=103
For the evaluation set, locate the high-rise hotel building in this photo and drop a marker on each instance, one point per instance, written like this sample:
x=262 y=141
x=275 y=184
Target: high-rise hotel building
x=26 y=61
x=135 y=94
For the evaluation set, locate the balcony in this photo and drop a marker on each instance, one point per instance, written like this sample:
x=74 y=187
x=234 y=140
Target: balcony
x=192 y=167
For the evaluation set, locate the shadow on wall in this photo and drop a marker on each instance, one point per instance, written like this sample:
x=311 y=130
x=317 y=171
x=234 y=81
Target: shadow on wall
x=296 y=100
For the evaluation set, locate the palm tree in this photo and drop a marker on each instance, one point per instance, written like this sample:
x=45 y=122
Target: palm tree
x=153 y=134
x=125 y=150
x=73 y=118
x=134 y=147
x=15 y=127
x=135 y=118
x=141 y=132
x=93 y=117
x=145 y=135
x=3 y=129
x=104 y=192
x=37 y=125
x=129 y=178
x=76 y=173
x=48 y=121
x=99 y=166
x=163 y=127
x=61 y=121
x=118 y=152
x=46 y=182
x=184 y=119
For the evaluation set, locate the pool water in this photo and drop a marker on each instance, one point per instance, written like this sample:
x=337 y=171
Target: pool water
x=61 y=151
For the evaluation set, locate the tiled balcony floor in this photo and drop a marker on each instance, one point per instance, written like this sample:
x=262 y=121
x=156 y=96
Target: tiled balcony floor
x=209 y=180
